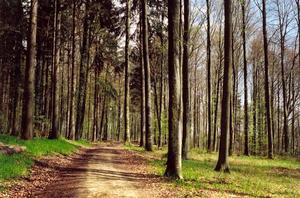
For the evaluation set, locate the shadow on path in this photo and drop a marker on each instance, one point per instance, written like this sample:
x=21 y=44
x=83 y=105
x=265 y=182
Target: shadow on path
x=97 y=172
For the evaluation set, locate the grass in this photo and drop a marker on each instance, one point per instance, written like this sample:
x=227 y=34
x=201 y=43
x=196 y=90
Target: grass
x=250 y=176
x=16 y=165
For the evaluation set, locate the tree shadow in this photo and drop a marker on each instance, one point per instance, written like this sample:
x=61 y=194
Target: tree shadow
x=77 y=179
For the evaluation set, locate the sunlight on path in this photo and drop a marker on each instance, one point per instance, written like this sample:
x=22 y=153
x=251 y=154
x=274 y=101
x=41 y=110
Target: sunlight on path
x=99 y=172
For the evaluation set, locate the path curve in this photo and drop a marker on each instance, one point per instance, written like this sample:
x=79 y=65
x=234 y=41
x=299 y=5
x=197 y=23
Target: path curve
x=101 y=171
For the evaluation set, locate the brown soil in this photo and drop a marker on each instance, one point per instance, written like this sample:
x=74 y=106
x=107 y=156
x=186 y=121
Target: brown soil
x=101 y=171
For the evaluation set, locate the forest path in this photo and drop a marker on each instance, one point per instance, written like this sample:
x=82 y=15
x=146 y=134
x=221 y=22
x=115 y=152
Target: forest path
x=101 y=171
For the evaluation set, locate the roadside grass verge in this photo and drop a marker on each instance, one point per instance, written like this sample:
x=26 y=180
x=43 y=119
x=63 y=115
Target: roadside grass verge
x=250 y=176
x=17 y=165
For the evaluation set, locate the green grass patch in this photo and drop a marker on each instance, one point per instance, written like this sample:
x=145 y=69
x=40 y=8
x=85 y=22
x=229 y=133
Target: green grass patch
x=16 y=165
x=253 y=176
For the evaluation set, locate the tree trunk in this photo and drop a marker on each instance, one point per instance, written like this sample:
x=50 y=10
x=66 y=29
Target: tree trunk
x=126 y=96
x=254 y=106
x=175 y=100
x=54 y=133
x=266 y=84
x=185 y=83
x=81 y=96
x=70 y=127
x=284 y=94
x=246 y=128
x=222 y=163
x=208 y=76
x=149 y=141
x=142 y=113
x=28 y=97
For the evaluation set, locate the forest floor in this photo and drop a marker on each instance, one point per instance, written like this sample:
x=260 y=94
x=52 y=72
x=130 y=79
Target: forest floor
x=250 y=176
x=105 y=170
x=114 y=170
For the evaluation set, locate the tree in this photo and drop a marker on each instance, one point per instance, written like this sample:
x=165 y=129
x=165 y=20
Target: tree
x=142 y=83
x=246 y=127
x=84 y=62
x=175 y=109
x=266 y=84
x=222 y=164
x=149 y=139
x=126 y=96
x=56 y=56
x=283 y=19
x=208 y=76
x=70 y=127
x=28 y=96
x=185 y=82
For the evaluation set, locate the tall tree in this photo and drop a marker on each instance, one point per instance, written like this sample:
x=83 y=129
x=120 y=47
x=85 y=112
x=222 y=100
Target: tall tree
x=222 y=164
x=56 y=56
x=185 y=83
x=283 y=19
x=175 y=100
x=142 y=83
x=82 y=86
x=246 y=121
x=28 y=96
x=266 y=84
x=208 y=76
x=149 y=139
x=70 y=127
x=126 y=96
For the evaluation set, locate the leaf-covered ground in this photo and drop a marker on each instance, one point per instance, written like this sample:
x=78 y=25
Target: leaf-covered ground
x=104 y=170
x=18 y=165
x=249 y=177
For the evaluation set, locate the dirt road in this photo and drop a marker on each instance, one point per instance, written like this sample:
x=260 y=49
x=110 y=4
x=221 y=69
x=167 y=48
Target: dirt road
x=102 y=171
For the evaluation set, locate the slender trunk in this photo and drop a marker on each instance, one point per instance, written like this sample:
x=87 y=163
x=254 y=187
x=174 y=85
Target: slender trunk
x=284 y=94
x=126 y=96
x=158 y=114
x=218 y=89
x=246 y=128
x=119 y=110
x=266 y=84
x=149 y=139
x=70 y=127
x=96 y=88
x=254 y=106
x=142 y=113
x=222 y=163
x=81 y=95
x=54 y=133
x=28 y=97
x=208 y=76
x=195 y=106
x=185 y=82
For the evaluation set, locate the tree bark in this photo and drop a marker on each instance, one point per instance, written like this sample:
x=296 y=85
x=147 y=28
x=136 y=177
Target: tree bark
x=70 y=127
x=266 y=84
x=54 y=133
x=246 y=119
x=142 y=111
x=126 y=96
x=185 y=82
x=81 y=96
x=28 y=97
x=149 y=139
x=208 y=77
x=173 y=169
x=222 y=164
